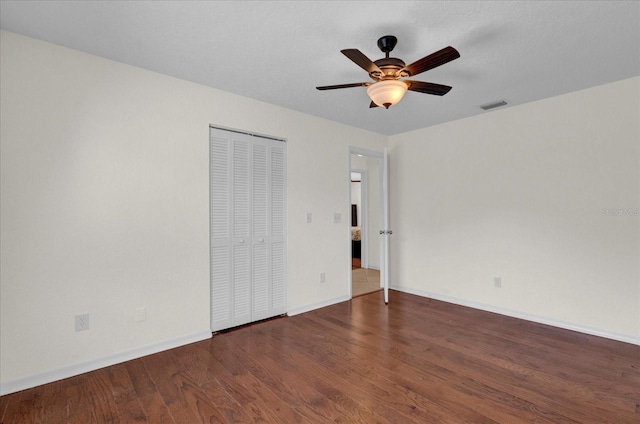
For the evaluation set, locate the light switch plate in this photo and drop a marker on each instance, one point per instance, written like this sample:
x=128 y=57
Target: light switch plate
x=141 y=314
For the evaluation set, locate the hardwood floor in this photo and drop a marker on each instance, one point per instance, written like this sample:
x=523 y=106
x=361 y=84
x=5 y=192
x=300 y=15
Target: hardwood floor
x=364 y=280
x=414 y=361
x=356 y=263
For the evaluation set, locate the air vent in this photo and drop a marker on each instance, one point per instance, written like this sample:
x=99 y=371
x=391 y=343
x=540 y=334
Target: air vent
x=494 y=105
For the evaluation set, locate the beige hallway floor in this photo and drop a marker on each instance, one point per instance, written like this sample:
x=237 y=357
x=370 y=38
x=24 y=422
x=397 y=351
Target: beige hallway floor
x=364 y=280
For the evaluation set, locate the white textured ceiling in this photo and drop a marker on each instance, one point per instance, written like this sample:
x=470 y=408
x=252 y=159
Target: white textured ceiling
x=279 y=51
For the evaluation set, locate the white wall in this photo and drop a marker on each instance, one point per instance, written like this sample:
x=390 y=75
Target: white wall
x=104 y=207
x=519 y=193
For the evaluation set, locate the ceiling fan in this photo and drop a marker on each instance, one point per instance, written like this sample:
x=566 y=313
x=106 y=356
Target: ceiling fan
x=387 y=88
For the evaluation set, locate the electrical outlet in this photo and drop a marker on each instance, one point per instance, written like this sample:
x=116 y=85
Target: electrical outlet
x=322 y=277
x=497 y=282
x=337 y=217
x=82 y=322
x=141 y=314
x=309 y=217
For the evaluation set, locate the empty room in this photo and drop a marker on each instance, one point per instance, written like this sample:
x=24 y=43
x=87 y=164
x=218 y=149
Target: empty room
x=180 y=226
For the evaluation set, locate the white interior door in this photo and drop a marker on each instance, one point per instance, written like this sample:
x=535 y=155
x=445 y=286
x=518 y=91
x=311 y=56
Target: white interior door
x=385 y=232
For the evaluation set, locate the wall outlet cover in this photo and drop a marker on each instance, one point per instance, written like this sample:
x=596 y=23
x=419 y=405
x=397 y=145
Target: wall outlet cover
x=82 y=322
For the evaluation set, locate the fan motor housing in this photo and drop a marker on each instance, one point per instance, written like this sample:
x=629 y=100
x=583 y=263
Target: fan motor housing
x=390 y=65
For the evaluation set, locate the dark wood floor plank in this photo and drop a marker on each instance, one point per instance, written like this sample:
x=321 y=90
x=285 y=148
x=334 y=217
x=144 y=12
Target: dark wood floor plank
x=613 y=404
x=230 y=399
x=197 y=400
x=295 y=390
x=124 y=395
x=267 y=388
x=228 y=390
x=28 y=407
x=544 y=372
x=140 y=379
x=266 y=406
x=161 y=368
x=101 y=394
x=150 y=400
x=416 y=360
x=155 y=409
x=327 y=311
x=472 y=369
x=54 y=405
x=368 y=373
x=79 y=403
x=4 y=405
x=289 y=387
x=325 y=394
x=433 y=400
x=504 y=333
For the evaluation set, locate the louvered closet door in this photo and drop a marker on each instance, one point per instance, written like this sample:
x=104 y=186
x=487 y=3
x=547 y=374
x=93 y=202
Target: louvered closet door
x=220 y=210
x=278 y=221
x=248 y=222
x=260 y=227
x=241 y=227
x=269 y=206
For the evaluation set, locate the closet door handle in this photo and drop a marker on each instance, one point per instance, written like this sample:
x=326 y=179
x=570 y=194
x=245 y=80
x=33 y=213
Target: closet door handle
x=241 y=240
x=261 y=240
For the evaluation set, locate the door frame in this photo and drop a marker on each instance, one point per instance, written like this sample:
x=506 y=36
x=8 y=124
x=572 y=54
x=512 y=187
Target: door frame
x=354 y=150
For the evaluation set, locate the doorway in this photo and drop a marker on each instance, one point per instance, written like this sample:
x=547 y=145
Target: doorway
x=365 y=198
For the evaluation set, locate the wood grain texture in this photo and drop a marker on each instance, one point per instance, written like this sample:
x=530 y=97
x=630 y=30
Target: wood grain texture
x=416 y=360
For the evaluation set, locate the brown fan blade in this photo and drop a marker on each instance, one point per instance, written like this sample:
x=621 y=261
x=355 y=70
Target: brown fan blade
x=361 y=60
x=372 y=105
x=432 y=61
x=333 y=87
x=428 y=87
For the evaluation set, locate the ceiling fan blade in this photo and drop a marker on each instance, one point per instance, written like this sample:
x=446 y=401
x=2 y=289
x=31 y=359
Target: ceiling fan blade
x=372 y=105
x=432 y=61
x=361 y=60
x=428 y=87
x=333 y=87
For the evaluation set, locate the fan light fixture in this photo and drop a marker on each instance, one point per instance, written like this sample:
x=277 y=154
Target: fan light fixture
x=387 y=92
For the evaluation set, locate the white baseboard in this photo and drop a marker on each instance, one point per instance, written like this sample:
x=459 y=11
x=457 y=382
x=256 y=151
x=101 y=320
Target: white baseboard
x=309 y=308
x=73 y=370
x=522 y=315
